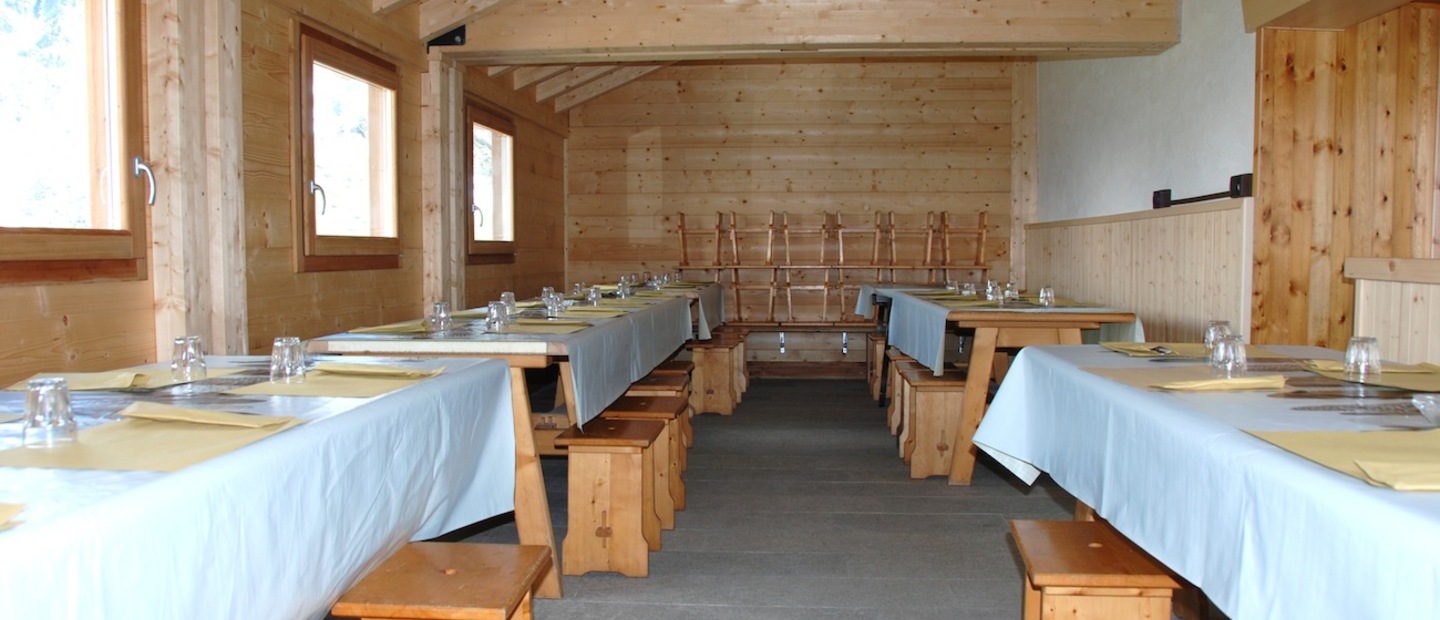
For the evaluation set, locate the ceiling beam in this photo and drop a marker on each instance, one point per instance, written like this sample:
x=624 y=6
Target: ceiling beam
x=550 y=32
x=525 y=76
x=612 y=81
x=438 y=17
x=1313 y=14
x=500 y=70
x=386 y=7
x=570 y=80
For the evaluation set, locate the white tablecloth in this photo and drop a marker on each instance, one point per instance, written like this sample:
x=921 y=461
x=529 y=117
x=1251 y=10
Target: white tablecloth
x=1265 y=533
x=710 y=308
x=277 y=529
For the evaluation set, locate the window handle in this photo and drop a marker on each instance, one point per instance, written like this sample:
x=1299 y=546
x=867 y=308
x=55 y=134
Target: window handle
x=479 y=215
x=139 y=168
x=316 y=189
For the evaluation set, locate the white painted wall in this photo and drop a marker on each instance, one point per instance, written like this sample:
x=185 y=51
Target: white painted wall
x=1112 y=131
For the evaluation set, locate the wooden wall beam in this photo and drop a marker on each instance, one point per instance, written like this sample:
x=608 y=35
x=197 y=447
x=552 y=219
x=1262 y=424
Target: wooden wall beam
x=699 y=29
x=386 y=7
x=442 y=139
x=438 y=17
x=605 y=84
x=1024 y=161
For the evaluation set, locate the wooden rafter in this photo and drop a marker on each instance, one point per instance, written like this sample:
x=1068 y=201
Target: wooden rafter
x=529 y=76
x=612 y=81
x=386 y=7
x=570 y=80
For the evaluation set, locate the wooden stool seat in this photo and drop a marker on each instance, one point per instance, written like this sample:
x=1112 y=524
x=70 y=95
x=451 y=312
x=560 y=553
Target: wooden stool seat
x=613 y=524
x=931 y=411
x=674 y=367
x=669 y=385
x=669 y=450
x=449 y=581
x=1085 y=570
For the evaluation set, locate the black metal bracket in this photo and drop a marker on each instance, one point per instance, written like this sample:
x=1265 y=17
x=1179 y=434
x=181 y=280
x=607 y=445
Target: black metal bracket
x=1241 y=186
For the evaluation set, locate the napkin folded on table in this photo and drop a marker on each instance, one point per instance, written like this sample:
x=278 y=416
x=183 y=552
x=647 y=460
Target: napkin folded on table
x=1407 y=460
x=1147 y=349
x=1402 y=476
x=108 y=380
x=411 y=327
x=664 y=294
x=7 y=513
x=1339 y=366
x=529 y=303
x=473 y=313
x=542 y=326
x=593 y=312
x=153 y=437
x=1264 y=382
x=376 y=370
x=634 y=304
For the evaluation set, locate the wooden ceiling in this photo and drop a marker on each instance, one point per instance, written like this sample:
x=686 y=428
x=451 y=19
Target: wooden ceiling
x=571 y=51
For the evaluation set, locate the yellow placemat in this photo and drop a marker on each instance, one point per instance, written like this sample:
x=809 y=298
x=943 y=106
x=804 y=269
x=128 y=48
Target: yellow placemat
x=595 y=313
x=545 y=327
x=80 y=381
x=8 y=512
x=658 y=294
x=1419 y=378
x=1183 y=349
x=410 y=327
x=1403 y=460
x=1190 y=377
x=686 y=285
x=473 y=313
x=331 y=384
x=375 y=370
x=529 y=303
x=153 y=437
x=1339 y=366
x=10 y=417
x=634 y=304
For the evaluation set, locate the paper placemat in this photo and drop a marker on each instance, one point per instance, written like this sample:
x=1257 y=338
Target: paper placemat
x=473 y=313
x=1339 y=366
x=1423 y=378
x=1183 y=349
x=8 y=512
x=659 y=294
x=1402 y=460
x=81 y=381
x=410 y=327
x=331 y=384
x=1186 y=377
x=594 y=313
x=175 y=438
x=375 y=370
x=634 y=304
x=551 y=327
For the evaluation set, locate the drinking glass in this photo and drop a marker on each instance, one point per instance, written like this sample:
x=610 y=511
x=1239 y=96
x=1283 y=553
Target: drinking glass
x=287 y=360
x=578 y=290
x=623 y=289
x=594 y=296
x=48 y=419
x=187 y=362
x=1214 y=332
x=546 y=292
x=967 y=289
x=495 y=316
x=952 y=286
x=508 y=298
x=1228 y=358
x=1012 y=291
x=1362 y=357
x=992 y=290
x=1047 y=296
x=440 y=319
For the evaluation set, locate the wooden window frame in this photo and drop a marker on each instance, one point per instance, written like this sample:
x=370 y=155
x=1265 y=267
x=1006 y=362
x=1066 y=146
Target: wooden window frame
x=30 y=255
x=315 y=252
x=485 y=252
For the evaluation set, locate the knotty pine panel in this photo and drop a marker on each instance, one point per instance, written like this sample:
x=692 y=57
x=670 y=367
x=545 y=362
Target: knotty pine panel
x=1345 y=165
x=1176 y=268
x=1398 y=302
x=75 y=327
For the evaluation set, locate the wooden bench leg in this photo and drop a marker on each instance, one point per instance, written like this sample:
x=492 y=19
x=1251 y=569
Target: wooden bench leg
x=610 y=492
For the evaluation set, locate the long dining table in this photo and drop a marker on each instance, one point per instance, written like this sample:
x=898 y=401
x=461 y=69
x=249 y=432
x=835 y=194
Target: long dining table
x=1264 y=532
x=917 y=327
x=278 y=528
x=597 y=364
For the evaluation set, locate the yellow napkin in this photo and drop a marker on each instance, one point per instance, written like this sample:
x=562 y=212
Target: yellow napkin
x=529 y=303
x=108 y=380
x=659 y=294
x=153 y=437
x=1265 y=382
x=547 y=327
x=375 y=370
x=1402 y=460
x=331 y=384
x=473 y=313
x=7 y=513
x=594 y=312
x=10 y=417
x=1339 y=366
x=1147 y=349
x=625 y=303
x=689 y=285
x=968 y=303
x=551 y=322
x=411 y=327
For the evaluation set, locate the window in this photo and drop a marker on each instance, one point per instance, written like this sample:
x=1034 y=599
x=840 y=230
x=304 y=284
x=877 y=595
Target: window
x=72 y=113
x=491 y=164
x=346 y=175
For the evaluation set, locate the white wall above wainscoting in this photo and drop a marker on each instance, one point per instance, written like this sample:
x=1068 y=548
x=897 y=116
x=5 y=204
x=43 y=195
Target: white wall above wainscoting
x=1397 y=300
x=1175 y=268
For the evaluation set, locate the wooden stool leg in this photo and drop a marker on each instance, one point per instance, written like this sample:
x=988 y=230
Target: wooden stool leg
x=663 y=469
x=610 y=492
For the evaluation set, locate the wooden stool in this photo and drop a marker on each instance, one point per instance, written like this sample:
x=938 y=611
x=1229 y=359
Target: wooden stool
x=449 y=581
x=874 y=363
x=658 y=384
x=737 y=336
x=1085 y=570
x=714 y=381
x=613 y=524
x=893 y=389
x=674 y=367
x=931 y=418
x=669 y=450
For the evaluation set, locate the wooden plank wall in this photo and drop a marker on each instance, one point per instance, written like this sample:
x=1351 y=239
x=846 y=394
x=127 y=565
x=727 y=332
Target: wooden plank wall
x=1345 y=165
x=1176 y=268
x=1398 y=302
x=75 y=327
x=802 y=138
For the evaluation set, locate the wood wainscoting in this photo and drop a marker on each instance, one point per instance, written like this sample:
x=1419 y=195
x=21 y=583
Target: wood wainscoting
x=1397 y=301
x=1176 y=268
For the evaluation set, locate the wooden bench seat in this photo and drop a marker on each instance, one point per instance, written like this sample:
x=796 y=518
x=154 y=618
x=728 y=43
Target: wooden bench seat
x=612 y=524
x=670 y=385
x=1085 y=570
x=449 y=581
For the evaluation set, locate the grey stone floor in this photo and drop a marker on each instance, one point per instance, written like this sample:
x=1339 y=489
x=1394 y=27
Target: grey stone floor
x=799 y=508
